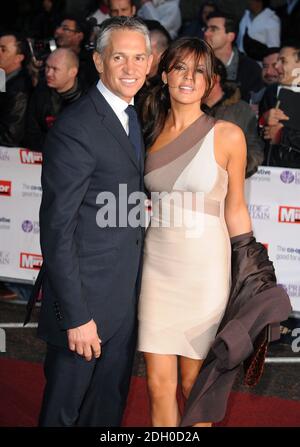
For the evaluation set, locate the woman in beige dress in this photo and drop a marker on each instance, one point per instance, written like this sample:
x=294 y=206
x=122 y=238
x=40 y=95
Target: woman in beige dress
x=195 y=169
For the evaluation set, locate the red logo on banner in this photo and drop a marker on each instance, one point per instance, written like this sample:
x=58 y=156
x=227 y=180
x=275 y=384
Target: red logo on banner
x=289 y=214
x=5 y=188
x=30 y=261
x=30 y=157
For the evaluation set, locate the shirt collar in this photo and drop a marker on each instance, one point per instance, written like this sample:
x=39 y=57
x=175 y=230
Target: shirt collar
x=230 y=59
x=294 y=88
x=117 y=104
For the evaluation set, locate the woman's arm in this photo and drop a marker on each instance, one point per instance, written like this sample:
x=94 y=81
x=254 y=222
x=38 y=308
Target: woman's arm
x=234 y=148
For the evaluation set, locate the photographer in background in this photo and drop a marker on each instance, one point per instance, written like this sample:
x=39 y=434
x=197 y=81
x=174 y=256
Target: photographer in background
x=50 y=98
x=45 y=22
x=73 y=33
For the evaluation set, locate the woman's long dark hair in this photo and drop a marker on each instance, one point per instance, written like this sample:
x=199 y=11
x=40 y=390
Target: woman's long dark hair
x=156 y=103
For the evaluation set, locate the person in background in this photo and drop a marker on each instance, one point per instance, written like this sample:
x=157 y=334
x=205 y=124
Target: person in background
x=260 y=23
x=233 y=8
x=48 y=100
x=166 y=12
x=14 y=56
x=14 y=96
x=102 y=12
x=45 y=22
x=125 y=8
x=73 y=33
x=269 y=76
x=289 y=14
x=220 y=33
x=224 y=102
x=269 y=72
x=284 y=147
x=196 y=26
x=160 y=40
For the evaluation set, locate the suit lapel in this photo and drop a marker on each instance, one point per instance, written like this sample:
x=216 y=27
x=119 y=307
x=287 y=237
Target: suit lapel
x=112 y=123
x=142 y=161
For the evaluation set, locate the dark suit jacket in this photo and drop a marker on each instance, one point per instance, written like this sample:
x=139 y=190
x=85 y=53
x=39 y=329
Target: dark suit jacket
x=13 y=106
x=289 y=22
x=248 y=76
x=90 y=272
x=255 y=302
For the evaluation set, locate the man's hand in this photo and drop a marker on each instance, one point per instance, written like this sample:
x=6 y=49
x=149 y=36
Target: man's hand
x=274 y=116
x=273 y=133
x=85 y=341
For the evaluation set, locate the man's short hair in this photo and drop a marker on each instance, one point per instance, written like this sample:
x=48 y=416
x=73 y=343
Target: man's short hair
x=271 y=50
x=292 y=43
x=21 y=45
x=70 y=56
x=130 y=1
x=121 y=23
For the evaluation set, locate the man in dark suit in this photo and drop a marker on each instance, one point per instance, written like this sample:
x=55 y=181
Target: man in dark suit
x=289 y=15
x=93 y=162
x=221 y=31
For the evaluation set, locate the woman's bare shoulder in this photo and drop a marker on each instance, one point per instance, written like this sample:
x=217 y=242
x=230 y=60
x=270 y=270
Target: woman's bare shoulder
x=228 y=130
x=230 y=138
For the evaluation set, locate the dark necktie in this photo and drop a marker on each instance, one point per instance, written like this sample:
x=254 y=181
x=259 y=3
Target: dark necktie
x=135 y=135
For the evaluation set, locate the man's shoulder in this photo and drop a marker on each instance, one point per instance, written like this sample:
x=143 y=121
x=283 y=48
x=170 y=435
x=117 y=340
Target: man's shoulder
x=81 y=109
x=19 y=83
x=246 y=61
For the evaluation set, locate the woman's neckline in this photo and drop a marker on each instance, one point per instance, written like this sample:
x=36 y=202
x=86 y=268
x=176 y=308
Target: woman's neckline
x=188 y=128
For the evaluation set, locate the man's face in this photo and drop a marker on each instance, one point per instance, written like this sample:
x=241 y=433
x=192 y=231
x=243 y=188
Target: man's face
x=269 y=71
x=124 y=64
x=215 y=33
x=59 y=75
x=67 y=36
x=121 y=8
x=288 y=66
x=9 y=59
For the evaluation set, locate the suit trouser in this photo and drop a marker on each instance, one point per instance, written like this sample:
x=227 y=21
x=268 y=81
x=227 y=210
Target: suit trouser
x=90 y=394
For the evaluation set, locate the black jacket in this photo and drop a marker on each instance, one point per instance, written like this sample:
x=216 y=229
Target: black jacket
x=255 y=302
x=44 y=107
x=289 y=22
x=13 y=106
x=287 y=152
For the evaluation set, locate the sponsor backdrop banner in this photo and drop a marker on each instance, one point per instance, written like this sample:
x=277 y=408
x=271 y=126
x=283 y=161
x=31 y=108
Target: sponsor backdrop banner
x=20 y=197
x=273 y=197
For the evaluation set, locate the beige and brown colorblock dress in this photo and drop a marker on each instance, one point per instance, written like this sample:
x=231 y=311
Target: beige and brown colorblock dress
x=186 y=274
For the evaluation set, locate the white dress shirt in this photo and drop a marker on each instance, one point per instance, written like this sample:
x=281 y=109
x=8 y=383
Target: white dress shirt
x=265 y=27
x=116 y=103
x=166 y=12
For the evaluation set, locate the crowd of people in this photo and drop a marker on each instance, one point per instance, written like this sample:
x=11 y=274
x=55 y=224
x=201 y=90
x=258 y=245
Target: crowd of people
x=257 y=57
x=211 y=110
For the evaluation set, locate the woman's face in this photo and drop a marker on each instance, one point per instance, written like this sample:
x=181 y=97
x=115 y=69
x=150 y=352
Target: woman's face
x=186 y=81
